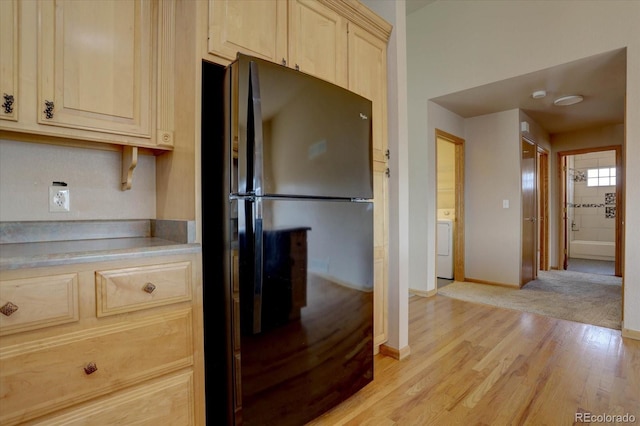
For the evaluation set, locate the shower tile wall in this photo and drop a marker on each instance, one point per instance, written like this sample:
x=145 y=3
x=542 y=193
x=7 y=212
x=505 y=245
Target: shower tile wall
x=592 y=208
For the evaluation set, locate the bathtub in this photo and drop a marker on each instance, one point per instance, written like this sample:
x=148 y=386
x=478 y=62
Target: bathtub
x=596 y=250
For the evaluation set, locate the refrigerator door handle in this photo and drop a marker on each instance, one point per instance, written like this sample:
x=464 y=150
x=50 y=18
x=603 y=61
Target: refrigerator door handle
x=257 y=267
x=258 y=144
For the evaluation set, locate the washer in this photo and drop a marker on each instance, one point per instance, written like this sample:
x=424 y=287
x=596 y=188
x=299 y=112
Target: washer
x=444 y=249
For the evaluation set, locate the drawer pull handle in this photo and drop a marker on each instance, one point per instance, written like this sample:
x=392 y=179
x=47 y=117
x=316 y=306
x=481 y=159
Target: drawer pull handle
x=90 y=368
x=8 y=308
x=149 y=287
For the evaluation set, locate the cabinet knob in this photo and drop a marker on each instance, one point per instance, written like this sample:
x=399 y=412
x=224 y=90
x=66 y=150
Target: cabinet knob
x=284 y=61
x=297 y=67
x=90 y=368
x=48 y=111
x=8 y=308
x=149 y=287
x=8 y=103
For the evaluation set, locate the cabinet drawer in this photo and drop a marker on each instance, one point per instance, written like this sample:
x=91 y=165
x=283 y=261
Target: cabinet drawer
x=132 y=289
x=167 y=401
x=42 y=376
x=32 y=303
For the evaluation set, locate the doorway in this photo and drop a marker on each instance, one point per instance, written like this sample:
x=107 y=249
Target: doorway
x=579 y=243
x=543 y=208
x=528 y=264
x=591 y=199
x=450 y=206
x=535 y=210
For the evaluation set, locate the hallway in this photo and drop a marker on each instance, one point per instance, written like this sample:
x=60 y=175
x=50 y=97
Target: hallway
x=587 y=292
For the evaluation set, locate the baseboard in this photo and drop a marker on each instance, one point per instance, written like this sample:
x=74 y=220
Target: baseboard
x=423 y=293
x=473 y=280
x=395 y=353
x=631 y=334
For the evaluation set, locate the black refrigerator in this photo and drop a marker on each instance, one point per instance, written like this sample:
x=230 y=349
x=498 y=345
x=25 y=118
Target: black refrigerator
x=287 y=243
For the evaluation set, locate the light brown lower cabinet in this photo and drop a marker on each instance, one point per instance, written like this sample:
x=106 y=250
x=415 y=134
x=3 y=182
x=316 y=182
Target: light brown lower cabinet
x=118 y=343
x=168 y=400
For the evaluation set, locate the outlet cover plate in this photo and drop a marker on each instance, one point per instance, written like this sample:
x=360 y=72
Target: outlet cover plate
x=58 y=199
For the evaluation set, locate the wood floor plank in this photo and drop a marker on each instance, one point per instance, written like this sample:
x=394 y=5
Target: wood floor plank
x=482 y=365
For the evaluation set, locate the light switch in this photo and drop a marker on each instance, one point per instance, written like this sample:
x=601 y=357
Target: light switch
x=505 y=204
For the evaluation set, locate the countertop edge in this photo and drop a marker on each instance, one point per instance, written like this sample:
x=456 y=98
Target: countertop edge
x=55 y=259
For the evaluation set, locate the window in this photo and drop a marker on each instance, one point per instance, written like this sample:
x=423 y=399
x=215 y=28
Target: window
x=601 y=177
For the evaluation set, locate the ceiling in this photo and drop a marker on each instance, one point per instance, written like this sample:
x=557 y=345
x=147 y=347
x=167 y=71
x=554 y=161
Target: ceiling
x=600 y=79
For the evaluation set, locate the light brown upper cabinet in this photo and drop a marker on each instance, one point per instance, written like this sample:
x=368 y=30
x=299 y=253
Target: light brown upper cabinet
x=97 y=71
x=9 y=59
x=252 y=27
x=368 y=78
x=318 y=41
x=303 y=34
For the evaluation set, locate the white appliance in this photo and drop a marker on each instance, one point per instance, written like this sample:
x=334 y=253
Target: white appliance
x=444 y=244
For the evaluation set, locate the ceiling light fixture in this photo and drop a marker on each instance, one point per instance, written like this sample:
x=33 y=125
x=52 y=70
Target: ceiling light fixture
x=539 y=94
x=568 y=100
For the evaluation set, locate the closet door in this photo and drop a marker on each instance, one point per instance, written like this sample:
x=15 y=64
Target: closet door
x=528 y=269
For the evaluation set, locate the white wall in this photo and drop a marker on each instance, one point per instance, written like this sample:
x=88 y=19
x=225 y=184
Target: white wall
x=453 y=46
x=93 y=177
x=588 y=138
x=422 y=222
x=492 y=248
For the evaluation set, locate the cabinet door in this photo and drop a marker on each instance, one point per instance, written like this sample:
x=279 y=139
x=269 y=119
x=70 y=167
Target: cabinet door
x=368 y=78
x=380 y=253
x=9 y=59
x=96 y=65
x=318 y=41
x=253 y=27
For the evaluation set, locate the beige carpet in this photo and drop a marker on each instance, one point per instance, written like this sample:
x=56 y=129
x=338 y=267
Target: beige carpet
x=575 y=296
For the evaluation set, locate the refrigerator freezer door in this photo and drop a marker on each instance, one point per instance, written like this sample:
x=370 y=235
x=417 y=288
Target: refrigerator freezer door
x=315 y=139
x=315 y=346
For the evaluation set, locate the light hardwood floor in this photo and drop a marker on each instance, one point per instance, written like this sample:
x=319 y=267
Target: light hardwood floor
x=473 y=364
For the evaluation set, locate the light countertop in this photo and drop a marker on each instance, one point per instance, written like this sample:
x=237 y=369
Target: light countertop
x=32 y=244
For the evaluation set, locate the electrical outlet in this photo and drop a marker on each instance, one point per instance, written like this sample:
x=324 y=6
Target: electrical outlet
x=58 y=199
